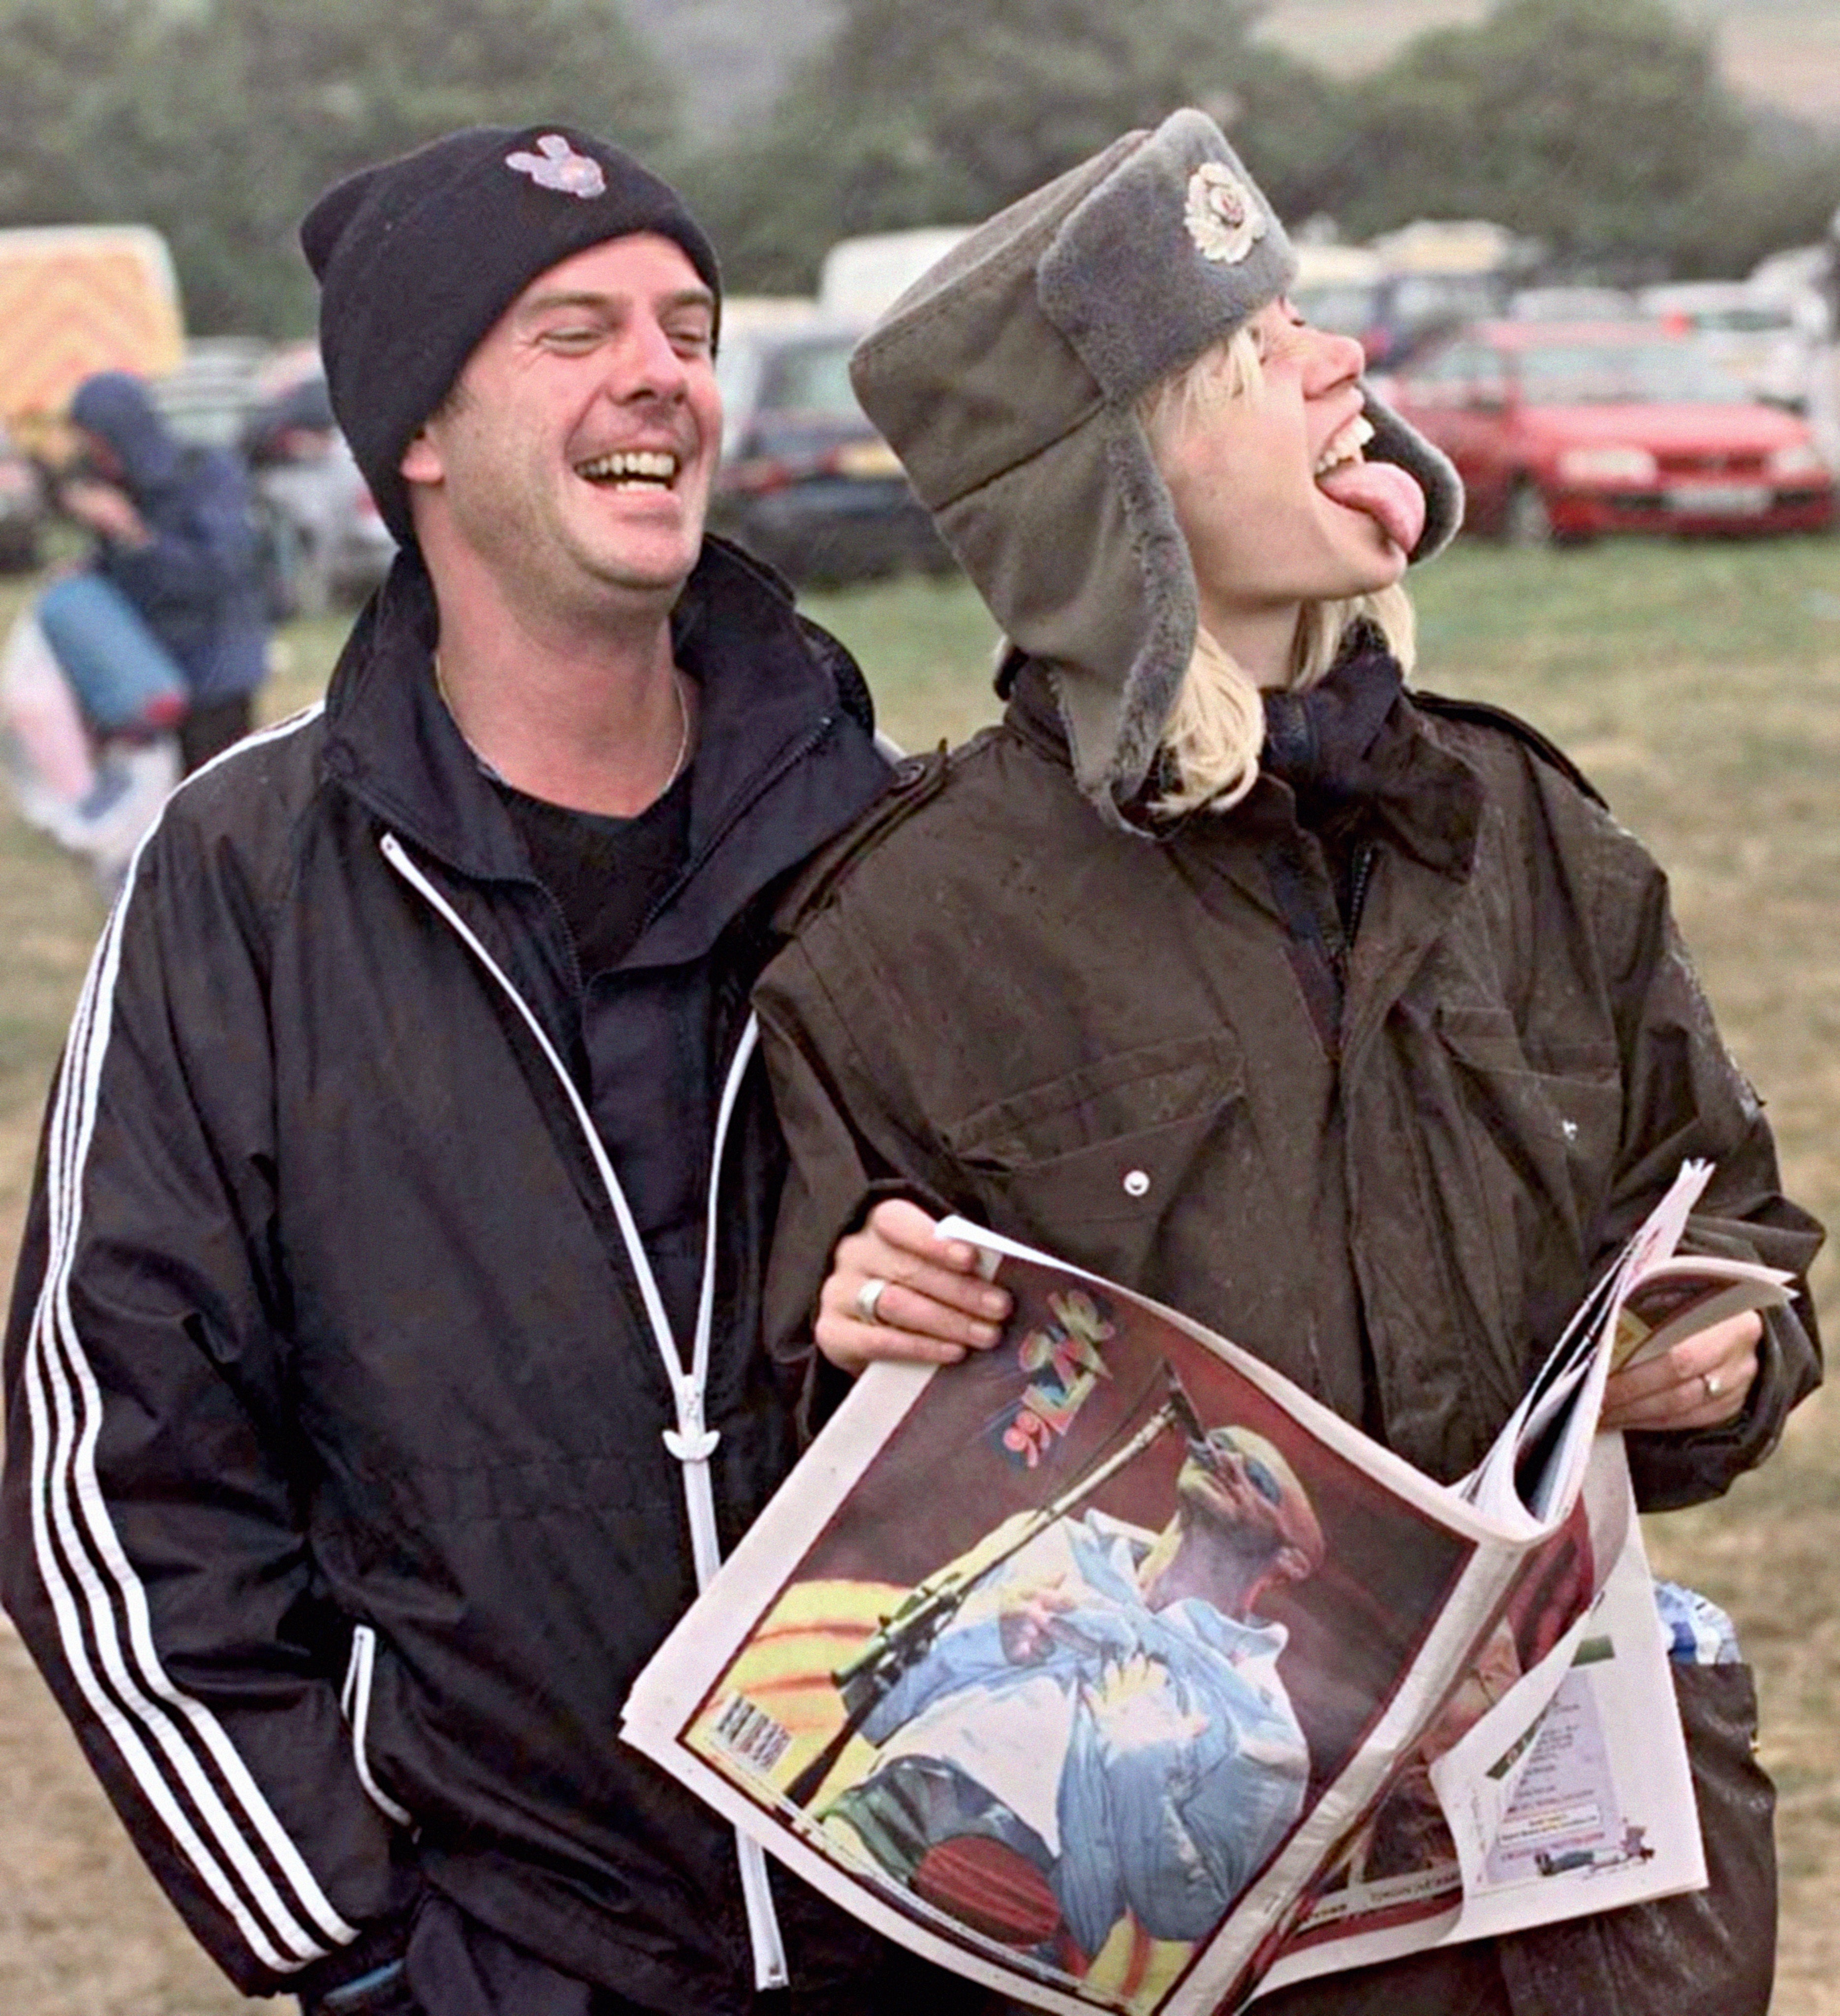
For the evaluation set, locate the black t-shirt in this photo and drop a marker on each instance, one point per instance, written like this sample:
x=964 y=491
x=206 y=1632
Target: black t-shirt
x=607 y=873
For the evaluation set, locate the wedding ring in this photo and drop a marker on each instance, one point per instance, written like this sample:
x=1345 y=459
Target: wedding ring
x=868 y=1298
x=1710 y=1381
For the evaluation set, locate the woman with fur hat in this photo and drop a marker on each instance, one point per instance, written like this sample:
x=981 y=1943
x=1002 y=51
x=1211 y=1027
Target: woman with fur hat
x=1340 y=1017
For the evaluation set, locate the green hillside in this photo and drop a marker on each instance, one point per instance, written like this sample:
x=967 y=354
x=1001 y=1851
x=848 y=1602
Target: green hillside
x=1782 y=51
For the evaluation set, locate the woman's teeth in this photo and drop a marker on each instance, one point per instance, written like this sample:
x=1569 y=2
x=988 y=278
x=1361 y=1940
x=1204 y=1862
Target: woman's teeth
x=1344 y=445
x=640 y=466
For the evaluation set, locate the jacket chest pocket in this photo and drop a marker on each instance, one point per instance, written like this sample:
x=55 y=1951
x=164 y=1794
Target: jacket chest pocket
x=1548 y=1117
x=1087 y=1165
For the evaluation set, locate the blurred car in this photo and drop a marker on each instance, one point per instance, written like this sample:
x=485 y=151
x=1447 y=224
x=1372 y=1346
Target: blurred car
x=326 y=542
x=806 y=482
x=1438 y=275
x=23 y=509
x=1565 y=431
x=1341 y=287
x=1805 y=278
x=206 y=401
x=859 y=277
x=1757 y=336
x=1572 y=303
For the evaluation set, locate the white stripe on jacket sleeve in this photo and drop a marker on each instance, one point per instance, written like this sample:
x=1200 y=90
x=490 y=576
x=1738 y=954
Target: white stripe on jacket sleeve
x=177 y=1752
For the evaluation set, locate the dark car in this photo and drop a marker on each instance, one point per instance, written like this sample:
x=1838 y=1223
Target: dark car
x=327 y=544
x=806 y=482
x=1565 y=431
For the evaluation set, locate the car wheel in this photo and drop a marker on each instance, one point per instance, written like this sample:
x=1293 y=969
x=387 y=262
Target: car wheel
x=1526 y=521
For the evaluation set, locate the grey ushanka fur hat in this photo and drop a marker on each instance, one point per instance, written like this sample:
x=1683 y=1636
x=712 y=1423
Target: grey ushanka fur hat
x=1006 y=378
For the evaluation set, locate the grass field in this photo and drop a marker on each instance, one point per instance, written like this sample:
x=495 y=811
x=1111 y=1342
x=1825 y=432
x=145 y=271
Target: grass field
x=1699 y=686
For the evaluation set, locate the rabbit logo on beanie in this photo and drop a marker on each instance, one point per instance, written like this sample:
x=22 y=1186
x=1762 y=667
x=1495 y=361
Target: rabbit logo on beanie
x=556 y=165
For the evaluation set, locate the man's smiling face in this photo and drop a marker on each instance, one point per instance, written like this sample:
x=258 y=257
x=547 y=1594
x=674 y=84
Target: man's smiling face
x=574 y=458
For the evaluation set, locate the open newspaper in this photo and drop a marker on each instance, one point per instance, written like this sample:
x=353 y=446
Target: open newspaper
x=1109 y=1667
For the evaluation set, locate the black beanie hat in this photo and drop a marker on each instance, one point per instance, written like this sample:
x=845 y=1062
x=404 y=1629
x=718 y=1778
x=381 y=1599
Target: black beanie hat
x=417 y=258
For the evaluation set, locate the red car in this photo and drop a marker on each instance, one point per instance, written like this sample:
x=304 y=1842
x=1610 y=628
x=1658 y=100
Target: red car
x=1564 y=431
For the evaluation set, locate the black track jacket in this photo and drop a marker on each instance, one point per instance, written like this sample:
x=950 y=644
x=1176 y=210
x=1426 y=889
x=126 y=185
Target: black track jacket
x=339 y=1509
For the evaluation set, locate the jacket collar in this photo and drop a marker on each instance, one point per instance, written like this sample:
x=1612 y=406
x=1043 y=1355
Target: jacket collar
x=1416 y=793
x=774 y=689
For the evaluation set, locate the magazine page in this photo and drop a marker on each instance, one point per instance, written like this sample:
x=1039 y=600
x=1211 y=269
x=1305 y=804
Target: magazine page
x=1648 y=1300
x=1537 y=1462
x=1071 y=1665
x=1673 y=1298
x=1555 y=1782
x=1590 y=1805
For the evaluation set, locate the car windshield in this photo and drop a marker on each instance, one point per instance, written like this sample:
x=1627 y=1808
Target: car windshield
x=811 y=379
x=1743 y=322
x=1348 y=307
x=1606 y=374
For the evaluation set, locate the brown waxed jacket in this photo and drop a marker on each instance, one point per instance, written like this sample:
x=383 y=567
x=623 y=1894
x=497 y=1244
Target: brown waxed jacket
x=1389 y=1167
x=1157 y=1059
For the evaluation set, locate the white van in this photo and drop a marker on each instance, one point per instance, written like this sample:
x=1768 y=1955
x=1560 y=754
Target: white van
x=862 y=276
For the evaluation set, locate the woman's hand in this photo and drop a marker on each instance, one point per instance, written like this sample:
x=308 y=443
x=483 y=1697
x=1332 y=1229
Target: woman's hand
x=897 y=1290
x=1702 y=1382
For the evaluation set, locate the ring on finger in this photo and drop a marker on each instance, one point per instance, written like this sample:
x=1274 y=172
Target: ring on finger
x=868 y=1298
x=1710 y=1381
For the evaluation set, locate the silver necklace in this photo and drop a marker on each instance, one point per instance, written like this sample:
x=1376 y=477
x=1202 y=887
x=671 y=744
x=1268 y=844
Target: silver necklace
x=683 y=738
x=683 y=718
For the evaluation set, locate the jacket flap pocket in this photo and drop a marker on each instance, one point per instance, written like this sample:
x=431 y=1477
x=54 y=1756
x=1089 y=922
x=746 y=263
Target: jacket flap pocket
x=1130 y=1177
x=1135 y=1092
x=1488 y=1040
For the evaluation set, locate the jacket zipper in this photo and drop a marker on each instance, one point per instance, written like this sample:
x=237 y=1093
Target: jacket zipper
x=1340 y=942
x=691 y=1441
x=737 y=811
x=1366 y=854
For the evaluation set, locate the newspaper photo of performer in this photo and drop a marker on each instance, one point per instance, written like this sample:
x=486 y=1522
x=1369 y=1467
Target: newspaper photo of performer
x=1092 y=1631
x=1103 y=1728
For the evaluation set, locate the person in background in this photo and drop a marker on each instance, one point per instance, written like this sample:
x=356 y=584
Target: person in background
x=1344 y=1018
x=175 y=539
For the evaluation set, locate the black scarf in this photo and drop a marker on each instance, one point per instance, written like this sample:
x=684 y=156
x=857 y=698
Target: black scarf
x=1317 y=742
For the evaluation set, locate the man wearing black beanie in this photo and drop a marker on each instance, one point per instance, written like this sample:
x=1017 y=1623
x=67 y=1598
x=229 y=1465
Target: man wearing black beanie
x=383 y=1374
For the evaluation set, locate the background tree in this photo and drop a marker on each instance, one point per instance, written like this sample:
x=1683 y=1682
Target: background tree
x=942 y=113
x=1600 y=127
x=219 y=121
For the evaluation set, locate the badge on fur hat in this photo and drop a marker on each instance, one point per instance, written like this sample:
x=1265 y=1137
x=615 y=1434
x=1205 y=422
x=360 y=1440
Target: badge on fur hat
x=556 y=165
x=1222 y=216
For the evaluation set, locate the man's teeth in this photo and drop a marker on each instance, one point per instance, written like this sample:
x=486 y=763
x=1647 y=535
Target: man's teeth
x=1344 y=445
x=640 y=465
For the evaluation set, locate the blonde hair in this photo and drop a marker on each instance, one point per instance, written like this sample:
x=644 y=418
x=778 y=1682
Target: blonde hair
x=1215 y=730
